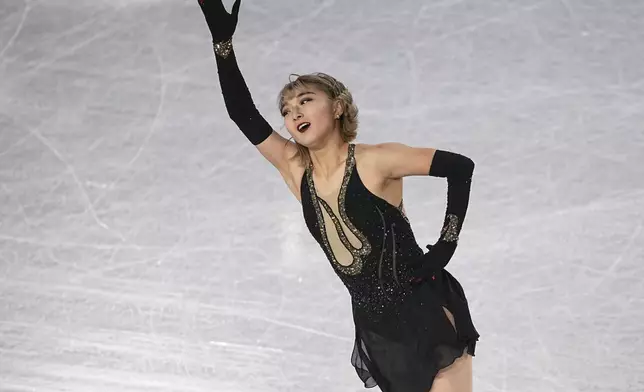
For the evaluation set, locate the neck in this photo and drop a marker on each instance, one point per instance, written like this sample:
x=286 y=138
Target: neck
x=327 y=158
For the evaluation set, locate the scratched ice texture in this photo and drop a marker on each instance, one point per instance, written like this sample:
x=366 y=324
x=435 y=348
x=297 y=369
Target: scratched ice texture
x=146 y=246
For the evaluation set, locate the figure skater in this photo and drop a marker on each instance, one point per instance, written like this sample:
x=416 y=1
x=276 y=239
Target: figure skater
x=413 y=330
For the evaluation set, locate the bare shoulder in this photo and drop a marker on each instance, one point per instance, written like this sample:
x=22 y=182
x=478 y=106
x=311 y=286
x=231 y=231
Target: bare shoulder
x=396 y=160
x=366 y=153
x=366 y=156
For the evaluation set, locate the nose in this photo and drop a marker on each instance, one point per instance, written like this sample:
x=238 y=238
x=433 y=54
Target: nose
x=295 y=113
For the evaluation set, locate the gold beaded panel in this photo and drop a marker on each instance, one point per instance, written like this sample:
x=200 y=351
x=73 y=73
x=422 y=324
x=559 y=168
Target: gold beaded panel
x=346 y=245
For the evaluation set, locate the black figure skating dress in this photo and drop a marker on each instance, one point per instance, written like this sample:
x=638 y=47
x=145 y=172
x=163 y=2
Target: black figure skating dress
x=403 y=335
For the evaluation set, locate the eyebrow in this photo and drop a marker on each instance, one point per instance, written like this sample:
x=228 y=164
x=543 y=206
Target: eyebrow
x=283 y=105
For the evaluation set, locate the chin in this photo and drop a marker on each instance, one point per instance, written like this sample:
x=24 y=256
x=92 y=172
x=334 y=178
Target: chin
x=305 y=141
x=307 y=138
x=311 y=138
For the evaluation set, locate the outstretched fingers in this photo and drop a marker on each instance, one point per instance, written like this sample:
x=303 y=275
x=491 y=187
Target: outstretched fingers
x=236 y=9
x=217 y=6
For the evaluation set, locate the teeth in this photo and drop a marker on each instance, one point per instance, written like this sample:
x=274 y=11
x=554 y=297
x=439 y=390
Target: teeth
x=302 y=126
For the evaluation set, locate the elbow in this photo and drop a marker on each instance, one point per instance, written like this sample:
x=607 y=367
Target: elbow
x=468 y=167
x=462 y=168
x=451 y=165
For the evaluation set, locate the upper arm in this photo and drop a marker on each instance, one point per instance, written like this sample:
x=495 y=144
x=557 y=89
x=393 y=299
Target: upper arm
x=397 y=160
x=278 y=151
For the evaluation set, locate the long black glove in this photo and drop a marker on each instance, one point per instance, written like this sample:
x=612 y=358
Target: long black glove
x=458 y=170
x=239 y=102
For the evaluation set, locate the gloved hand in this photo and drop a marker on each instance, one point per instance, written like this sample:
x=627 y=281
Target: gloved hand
x=222 y=25
x=428 y=265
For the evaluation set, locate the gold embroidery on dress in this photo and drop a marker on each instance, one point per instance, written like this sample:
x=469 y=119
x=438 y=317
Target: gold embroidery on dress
x=358 y=253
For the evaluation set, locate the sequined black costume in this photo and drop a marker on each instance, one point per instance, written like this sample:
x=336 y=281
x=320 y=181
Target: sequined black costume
x=403 y=336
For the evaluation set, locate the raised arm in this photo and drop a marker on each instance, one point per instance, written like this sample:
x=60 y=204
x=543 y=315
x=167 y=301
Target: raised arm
x=239 y=102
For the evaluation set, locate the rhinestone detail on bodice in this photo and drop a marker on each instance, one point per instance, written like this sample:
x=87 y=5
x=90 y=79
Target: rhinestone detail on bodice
x=358 y=254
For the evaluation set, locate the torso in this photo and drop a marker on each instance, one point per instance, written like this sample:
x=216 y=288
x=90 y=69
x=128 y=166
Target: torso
x=372 y=248
x=388 y=189
x=367 y=239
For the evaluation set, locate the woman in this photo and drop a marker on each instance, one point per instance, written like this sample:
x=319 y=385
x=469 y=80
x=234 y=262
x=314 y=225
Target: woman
x=413 y=327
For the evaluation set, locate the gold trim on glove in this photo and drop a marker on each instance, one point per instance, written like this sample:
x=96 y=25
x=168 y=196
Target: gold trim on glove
x=450 y=230
x=223 y=48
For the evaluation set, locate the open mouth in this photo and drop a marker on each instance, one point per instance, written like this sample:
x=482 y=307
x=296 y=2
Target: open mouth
x=303 y=127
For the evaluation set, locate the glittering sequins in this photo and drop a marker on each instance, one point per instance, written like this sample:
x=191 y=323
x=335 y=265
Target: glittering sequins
x=223 y=48
x=450 y=230
x=358 y=254
x=379 y=275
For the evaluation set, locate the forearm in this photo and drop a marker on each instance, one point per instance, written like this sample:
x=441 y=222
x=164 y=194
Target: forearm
x=458 y=169
x=239 y=102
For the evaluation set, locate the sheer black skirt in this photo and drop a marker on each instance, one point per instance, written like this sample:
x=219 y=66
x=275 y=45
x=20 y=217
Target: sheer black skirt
x=403 y=348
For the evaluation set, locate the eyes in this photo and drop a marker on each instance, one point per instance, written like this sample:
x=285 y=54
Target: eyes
x=285 y=112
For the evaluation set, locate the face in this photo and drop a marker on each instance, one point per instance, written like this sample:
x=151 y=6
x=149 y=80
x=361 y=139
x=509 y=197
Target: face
x=310 y=115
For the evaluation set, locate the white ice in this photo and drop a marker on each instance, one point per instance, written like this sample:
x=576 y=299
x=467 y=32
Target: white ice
x=146 y=246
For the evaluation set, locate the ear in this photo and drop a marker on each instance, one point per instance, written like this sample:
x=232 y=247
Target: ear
x=337 y=109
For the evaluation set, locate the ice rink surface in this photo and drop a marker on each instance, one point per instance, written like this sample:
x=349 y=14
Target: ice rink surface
x=146 y=246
